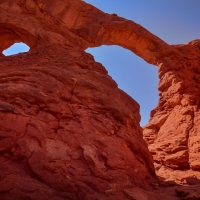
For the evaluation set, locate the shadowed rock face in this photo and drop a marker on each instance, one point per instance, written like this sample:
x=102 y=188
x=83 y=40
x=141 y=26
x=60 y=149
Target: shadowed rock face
x=173 y=130
x=66 y=130
x=62 y=132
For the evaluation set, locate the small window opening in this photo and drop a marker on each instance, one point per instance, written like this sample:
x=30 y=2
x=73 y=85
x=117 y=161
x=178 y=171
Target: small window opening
x=16 y=48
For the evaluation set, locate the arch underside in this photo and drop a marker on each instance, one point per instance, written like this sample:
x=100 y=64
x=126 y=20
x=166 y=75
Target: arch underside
x=11 y=34
x=43 y=23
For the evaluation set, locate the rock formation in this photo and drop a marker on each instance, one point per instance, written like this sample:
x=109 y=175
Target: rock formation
x=173 y=130
x=62 y=131
x=62 y=134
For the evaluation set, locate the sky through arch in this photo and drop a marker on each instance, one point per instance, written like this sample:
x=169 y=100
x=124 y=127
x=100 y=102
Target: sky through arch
x=175 y=22
x=16 y=48
x=132 y=74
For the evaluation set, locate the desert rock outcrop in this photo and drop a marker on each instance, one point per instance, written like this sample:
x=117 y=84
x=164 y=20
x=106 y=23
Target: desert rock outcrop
x=173 y=130
x=62 y=133
x=66 y=130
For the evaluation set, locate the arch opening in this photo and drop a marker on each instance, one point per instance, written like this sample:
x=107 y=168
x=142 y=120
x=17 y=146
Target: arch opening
x=13 y=36
x=16 y=48
x=132 y=74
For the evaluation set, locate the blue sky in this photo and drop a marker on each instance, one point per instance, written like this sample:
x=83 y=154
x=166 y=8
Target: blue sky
x=174 y=21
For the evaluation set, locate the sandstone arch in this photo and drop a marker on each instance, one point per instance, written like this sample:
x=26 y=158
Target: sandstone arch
x=48 y=23
x=45 y=94
x=56 y=133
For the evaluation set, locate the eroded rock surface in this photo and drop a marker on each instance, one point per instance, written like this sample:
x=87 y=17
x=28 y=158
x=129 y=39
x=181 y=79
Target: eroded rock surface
x=67 y=131
x=63 y=135
x=173 y=131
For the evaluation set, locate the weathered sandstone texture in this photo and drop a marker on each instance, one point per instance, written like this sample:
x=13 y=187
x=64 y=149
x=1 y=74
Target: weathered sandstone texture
x=67 y=131
x=173 y=131
x=62 y=133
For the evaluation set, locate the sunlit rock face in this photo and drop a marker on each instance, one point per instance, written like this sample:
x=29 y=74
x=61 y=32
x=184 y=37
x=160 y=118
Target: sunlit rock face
x=66 y=130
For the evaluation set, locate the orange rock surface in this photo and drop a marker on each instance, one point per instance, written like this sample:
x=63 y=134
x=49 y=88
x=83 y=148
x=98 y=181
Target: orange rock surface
x=172 y=132
x=67 y=131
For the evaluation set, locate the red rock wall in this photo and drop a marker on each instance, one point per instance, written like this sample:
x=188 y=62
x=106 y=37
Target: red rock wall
x=172 y=132
x=66 y=130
